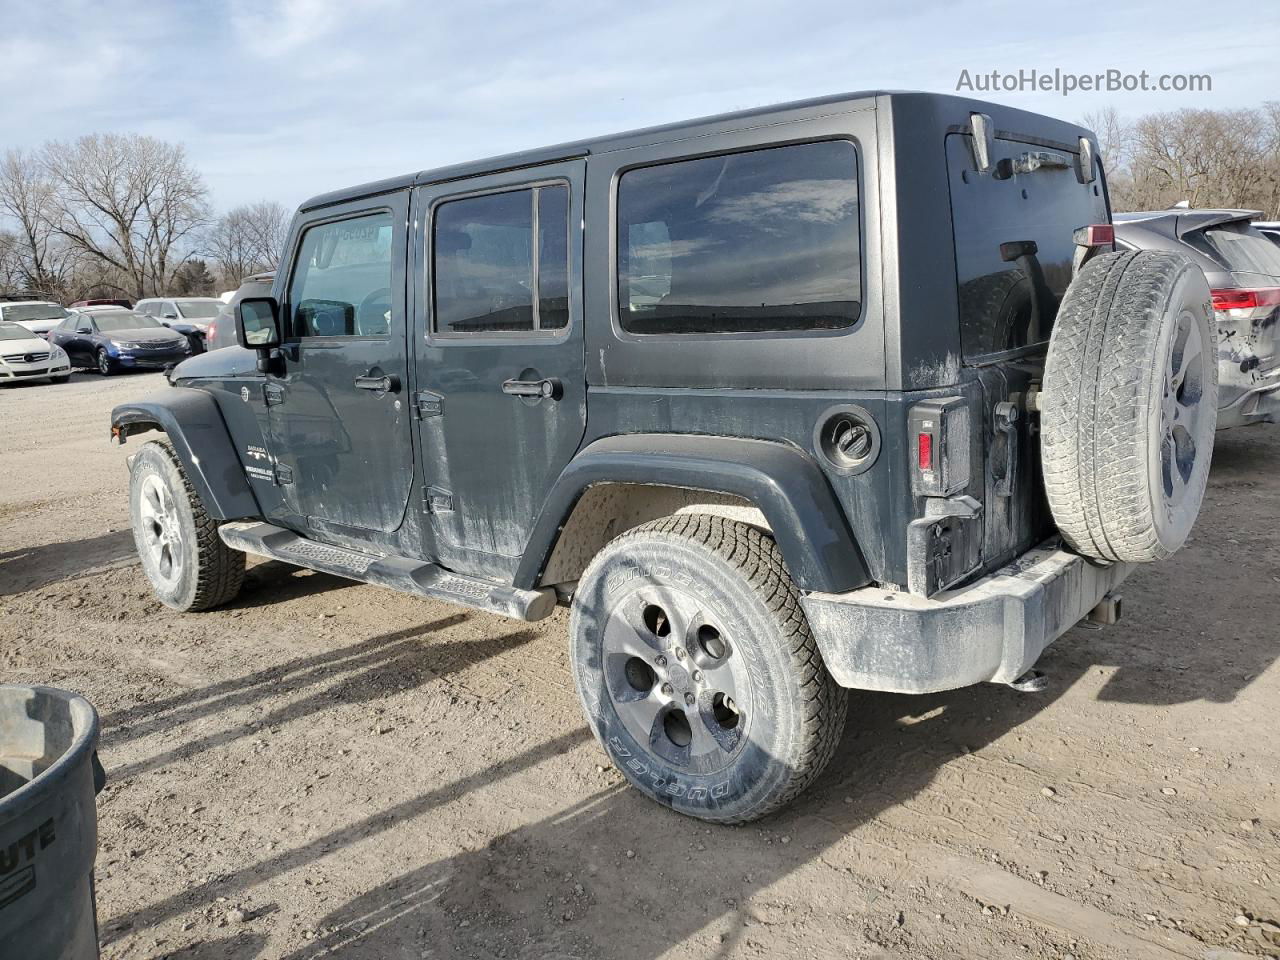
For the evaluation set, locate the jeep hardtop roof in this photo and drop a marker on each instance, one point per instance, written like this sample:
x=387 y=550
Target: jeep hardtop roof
x=952 y=112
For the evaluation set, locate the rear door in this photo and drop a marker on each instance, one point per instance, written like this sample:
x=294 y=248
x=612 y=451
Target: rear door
x=340 y=429
x=1014 y=249
x=500 y=389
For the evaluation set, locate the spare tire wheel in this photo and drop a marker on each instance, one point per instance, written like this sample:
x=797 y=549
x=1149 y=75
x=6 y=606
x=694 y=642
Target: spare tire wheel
x=1129 y=406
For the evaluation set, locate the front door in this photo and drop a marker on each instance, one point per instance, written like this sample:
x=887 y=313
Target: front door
x=500 y=387
x=340 y=424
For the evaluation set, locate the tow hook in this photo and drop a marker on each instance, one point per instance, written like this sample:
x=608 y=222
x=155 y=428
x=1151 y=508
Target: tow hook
x=1033 y=681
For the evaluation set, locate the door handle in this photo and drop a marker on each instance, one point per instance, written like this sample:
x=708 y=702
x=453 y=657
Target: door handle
x=550 y=388
x=387 y=384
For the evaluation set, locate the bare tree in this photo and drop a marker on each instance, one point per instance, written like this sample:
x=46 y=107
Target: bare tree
x=249 y=239
x=39 y=259
x=1115 y=137
x=128 y=203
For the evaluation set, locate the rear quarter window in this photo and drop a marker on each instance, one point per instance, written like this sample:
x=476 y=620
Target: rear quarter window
x=759 y=241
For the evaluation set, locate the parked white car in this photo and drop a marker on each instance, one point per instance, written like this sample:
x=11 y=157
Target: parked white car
x=24 y=356
x=38 y=316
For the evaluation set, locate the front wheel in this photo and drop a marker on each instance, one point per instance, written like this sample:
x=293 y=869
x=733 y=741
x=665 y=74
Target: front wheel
x=697 y=670
x=189 y=566
x=106 y=366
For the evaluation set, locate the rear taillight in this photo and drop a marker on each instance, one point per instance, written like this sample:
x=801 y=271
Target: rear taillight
x=924 y=451
x=1241 y=303
x=940 y=441
x=1095 y=235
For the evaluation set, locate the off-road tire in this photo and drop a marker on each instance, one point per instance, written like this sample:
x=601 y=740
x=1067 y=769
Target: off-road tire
x=212 y=572
x=736 y=576
x=1101 y=407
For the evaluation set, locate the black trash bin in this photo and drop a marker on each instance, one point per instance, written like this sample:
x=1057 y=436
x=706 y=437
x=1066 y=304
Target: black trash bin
x=49 y=775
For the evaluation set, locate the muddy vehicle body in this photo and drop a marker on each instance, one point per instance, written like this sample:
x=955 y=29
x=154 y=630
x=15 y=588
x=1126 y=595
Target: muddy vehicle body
x=768 y=398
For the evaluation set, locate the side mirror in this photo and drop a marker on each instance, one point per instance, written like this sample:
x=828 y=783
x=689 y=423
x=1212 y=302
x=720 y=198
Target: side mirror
x=258 y=328
x=258 y=323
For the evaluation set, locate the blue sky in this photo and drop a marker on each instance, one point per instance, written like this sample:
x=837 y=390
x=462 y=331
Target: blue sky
x=281 y=99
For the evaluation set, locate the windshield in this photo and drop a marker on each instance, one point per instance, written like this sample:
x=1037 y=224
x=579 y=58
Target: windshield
x=1244 y=249
x=34 y=311
x=11 y=332
x=198 y=309
x=118 y=320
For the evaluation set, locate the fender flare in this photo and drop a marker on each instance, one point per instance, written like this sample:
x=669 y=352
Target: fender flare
x=191 y=420
x=785 y=483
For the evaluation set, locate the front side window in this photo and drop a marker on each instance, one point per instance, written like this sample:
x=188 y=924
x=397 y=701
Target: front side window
x=341 y=284
x=489 y=273
x=743 y=243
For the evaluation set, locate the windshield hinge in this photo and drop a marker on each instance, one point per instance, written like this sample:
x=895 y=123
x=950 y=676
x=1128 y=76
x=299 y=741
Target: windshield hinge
x=272 y=393
x=283 y=474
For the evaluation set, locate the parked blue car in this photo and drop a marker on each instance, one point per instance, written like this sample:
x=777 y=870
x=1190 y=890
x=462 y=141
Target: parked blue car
x=114 y=340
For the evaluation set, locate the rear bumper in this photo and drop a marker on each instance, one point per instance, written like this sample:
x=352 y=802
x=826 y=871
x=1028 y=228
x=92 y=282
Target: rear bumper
x=1248 y=399
x=992 y=630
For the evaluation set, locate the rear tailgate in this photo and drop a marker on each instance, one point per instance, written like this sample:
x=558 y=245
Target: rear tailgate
x=1013 y=243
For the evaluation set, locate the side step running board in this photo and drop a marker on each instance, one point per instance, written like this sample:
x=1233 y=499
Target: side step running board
x=398 y=573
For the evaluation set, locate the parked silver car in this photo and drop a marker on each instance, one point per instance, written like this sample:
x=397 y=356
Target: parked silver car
x=1243 y=270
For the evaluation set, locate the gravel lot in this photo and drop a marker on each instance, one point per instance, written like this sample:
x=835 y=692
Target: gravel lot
x=331 y=769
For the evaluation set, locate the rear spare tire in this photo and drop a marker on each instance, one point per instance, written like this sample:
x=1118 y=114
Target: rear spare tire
x=1129 y=406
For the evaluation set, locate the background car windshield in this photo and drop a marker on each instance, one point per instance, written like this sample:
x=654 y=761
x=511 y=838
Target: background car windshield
x=9 y=332
x=117 y=320
x=198 y=309
x=34 y=311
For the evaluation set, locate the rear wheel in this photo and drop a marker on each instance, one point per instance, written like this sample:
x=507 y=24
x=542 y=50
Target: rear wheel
x=1130 y=406
x=697 y=670
x=189 y=566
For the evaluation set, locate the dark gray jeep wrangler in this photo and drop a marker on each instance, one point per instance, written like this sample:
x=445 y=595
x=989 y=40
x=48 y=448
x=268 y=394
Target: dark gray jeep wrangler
x=844 y=393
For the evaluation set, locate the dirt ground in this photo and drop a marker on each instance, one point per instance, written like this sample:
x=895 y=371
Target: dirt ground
x=327 y=769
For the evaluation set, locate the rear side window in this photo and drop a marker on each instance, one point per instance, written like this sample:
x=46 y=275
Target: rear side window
x=761 y=241
x=341 y=285
x=501 y=262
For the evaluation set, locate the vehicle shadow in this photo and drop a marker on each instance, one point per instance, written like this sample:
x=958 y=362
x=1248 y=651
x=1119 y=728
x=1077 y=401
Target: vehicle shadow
x=279 y=680
x=269 y=582
x=397 y=664
x=31 y=568
x=1200 y=626
x=619 y=875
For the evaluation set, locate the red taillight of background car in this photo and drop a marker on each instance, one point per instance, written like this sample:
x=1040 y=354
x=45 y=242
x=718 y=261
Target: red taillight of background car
x=1245 y=303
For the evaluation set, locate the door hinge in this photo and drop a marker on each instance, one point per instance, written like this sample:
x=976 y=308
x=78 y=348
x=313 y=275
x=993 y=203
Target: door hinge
x=437 y=500
x=283 y=474
x=426 y=404
x=272 y=393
